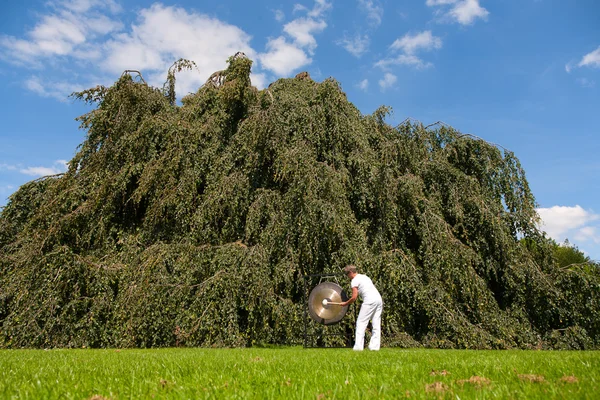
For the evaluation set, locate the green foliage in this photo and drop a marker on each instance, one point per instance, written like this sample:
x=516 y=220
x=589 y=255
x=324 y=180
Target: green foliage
x=193 y=225
x=567 y=255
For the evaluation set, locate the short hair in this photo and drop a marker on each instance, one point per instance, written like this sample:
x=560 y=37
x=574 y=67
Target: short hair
x=349 y=268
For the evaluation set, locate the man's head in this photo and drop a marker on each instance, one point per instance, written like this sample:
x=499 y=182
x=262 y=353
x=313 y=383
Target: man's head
x=350 y=271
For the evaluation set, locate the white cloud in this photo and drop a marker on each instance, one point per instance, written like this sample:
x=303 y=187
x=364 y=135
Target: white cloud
x=298 y=8
x=408 y=45
x=259 y=80
x=588 y=233
x=7 y=167
x=102 y=25
x=388 y=81
x=86 y=36
x=302 y=30
x=83 y=32
x=411 y=43
x=40 y=171
x=321 y=6
x=465 y=12
x=569 y=67
x=58 y=167
x=165 y=34
x=431 y=3
x=279 y=15
x=363 y=85
x=356 y=46
x=60 y=33
x=586 y=83
x=33 y=84
x=564 y=222
x=374 y=12
x=404 y=59
x=82 y=6
x=58 y=90
x=282 y=57
x=591 y=59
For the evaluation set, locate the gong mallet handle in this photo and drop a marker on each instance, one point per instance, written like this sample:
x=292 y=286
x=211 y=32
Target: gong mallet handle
x=332 y=303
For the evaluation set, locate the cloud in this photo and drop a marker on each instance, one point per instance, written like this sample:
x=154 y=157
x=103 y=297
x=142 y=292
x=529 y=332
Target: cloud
x=569 y=67
x=164 y=34
x=58 y=167
x=409 y=44
x=388 y=81
x=259 y=80
x=302 y=30
x=564 y=222
x=465 y=12
x=591 y=59
x=58 y=90
x=374 y=12
x=298 y=8
x=424 y=40
x=72 y=27
x=356 y=46
x=7 y=167
x=321 y=6
x=363 y=85
x=82 y=6
x=586 y=83
x=431 y=3
x=318 y=10
x=40 y=171
x=84 y=33
x=279 y=15
x=404 y=59
x=283 y=57
x=588 y=233
x=77 y=42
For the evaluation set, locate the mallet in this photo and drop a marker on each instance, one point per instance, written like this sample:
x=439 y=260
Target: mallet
x=326 y=302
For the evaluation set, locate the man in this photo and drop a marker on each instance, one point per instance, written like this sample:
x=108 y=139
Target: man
x=371 y=308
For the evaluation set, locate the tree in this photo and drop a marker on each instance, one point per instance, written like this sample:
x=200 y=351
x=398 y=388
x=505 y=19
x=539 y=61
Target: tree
x=193 y=225
x=567 y=254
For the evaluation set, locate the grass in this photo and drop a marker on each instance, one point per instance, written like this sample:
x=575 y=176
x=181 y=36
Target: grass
x=297 y=373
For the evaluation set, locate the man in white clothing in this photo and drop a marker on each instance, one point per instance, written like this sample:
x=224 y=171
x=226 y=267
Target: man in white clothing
x=370 y=309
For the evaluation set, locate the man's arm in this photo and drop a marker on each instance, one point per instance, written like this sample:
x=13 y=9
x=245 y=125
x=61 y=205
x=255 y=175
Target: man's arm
x=351 y=299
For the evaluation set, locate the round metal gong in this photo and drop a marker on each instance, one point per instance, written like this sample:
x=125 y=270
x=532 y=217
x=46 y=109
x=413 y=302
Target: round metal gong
x=329 y=314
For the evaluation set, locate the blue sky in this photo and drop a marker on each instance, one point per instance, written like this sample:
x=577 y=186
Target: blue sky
x=524 y=74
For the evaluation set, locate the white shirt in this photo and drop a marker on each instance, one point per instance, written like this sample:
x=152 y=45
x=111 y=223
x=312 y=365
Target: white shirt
x=366 y=290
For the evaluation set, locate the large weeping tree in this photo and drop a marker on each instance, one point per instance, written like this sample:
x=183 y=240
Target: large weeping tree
x=194 y=225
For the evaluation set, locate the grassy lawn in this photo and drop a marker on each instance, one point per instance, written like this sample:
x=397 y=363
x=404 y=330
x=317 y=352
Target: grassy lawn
x=297 y=373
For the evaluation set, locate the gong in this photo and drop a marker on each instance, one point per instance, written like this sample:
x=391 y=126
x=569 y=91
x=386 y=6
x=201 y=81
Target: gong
x=327 y=314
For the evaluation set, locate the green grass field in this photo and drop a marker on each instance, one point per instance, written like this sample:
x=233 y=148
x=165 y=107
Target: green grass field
x=297 y=373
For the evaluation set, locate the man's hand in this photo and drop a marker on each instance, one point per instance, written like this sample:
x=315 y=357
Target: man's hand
x=351 y=299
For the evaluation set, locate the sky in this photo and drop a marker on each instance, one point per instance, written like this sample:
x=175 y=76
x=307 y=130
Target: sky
x=523 y=74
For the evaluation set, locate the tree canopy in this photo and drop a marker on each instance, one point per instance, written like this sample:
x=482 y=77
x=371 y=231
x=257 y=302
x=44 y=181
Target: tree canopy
x=193 y=225
x=567 y=254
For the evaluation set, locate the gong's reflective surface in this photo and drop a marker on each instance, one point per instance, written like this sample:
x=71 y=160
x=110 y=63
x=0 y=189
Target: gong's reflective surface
x=329 y=314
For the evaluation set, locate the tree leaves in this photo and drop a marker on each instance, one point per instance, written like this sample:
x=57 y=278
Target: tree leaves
x=193 y=224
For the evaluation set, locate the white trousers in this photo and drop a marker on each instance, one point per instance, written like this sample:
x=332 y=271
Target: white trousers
x=368 y=312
